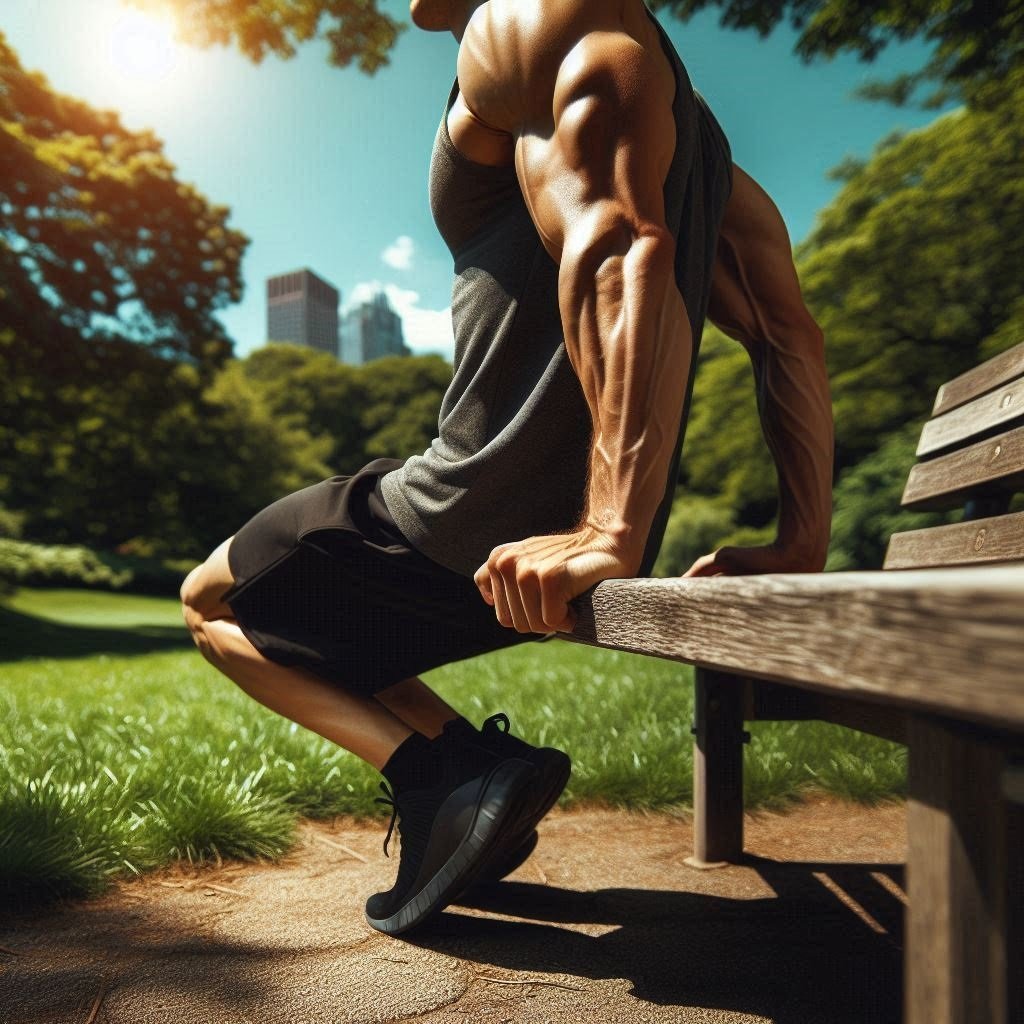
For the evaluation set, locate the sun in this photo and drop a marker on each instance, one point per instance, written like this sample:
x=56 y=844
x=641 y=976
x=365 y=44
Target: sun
x=142 y=47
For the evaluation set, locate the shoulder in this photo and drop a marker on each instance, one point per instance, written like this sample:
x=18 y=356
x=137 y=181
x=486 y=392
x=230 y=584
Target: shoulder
x=516 y=55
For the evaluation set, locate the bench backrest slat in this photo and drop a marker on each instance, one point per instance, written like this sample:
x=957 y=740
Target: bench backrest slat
x=992 y=466
x=1002 y=407
x=977 y=541
x=979 y=379
x=971 y=454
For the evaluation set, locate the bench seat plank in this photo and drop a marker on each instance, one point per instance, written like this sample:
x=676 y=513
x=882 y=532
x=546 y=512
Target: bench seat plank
x=942 y=640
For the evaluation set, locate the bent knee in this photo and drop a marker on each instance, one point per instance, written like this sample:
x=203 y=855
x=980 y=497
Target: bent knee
x=197 y=626
x=187 y=591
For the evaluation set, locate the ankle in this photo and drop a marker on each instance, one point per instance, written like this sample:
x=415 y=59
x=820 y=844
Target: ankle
x=413 y=765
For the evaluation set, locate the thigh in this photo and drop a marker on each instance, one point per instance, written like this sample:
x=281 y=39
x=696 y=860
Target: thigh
x=755 y=291
x=364 y=615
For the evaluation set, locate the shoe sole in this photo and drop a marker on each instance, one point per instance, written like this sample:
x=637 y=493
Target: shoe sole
x=553 y=778
x=499 y=806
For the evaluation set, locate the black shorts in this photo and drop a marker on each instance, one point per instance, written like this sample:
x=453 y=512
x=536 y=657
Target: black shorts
x=325 y=580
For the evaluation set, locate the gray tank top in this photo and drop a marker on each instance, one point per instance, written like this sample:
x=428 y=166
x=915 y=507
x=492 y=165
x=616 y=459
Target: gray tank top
x=514 y=431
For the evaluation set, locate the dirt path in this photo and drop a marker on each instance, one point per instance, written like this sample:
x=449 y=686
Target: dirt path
x=603 y=923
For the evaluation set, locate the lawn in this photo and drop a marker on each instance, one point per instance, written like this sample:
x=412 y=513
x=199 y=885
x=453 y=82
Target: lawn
x=122 y=749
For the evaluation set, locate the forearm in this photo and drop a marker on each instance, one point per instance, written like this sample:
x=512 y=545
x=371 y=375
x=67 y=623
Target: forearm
x=796 y=418
x=629 y=339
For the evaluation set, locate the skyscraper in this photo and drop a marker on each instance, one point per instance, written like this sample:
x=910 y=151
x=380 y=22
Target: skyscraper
x=303 y=309
x=370 y=331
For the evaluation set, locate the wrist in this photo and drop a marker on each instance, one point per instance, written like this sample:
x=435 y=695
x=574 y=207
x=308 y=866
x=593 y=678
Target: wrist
x=809 y=557
x=620 y=538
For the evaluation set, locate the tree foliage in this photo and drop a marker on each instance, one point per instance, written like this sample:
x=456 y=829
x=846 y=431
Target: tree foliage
x=913 y=269
x=976 y=44
x=355 y=30
x=97 y=235
x=387 y=407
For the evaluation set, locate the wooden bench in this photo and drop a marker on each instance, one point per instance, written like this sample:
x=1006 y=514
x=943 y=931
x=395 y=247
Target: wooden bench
x=931 y=655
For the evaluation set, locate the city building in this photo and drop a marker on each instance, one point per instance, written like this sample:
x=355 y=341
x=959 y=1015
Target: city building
x=303 y=309
x=370 y=331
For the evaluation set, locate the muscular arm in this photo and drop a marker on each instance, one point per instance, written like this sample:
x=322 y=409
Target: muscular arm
x=629 y=339
x=756 y=298
x=594 y=188
x=599 y=206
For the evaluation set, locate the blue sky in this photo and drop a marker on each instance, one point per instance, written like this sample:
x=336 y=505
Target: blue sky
x=327 y=168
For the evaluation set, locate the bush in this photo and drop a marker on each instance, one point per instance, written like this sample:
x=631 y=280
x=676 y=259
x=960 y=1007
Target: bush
x=696 y=526
x=26 y=564
x=10 y=522
x=866 y=504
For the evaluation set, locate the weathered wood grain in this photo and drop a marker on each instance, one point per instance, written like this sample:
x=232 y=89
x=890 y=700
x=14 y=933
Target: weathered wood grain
x=958 y=875
x=998 y=408
x=717 y=769
x=979 y=379
x=946 y=640
x=976 y=542
x=996 y=464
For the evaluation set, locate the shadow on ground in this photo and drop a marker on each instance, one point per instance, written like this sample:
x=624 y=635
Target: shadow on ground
x=799 y=940
x=803 y=957
x=28 y=636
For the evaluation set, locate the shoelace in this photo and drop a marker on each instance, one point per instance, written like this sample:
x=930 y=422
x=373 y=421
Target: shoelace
x=497 y=721
x=388 y=798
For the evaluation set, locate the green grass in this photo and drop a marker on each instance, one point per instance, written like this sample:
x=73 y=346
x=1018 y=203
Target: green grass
x=122 y=749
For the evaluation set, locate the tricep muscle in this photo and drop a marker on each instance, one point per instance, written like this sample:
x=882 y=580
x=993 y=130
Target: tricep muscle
x=604 y=165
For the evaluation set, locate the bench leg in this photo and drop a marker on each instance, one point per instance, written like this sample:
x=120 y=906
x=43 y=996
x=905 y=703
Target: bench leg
x=963 y=881
x=717 y=769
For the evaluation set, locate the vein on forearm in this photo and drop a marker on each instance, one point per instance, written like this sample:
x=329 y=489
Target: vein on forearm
x=629 y=339
x=795 y=408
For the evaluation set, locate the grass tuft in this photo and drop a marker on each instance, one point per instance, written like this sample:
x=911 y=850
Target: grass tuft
x=113 y=763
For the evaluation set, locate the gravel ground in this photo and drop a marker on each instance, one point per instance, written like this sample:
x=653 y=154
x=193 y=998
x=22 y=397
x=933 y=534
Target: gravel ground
x=604 y=923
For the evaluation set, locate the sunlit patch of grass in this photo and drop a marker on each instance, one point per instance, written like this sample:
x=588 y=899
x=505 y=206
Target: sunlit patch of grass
x=110 y=764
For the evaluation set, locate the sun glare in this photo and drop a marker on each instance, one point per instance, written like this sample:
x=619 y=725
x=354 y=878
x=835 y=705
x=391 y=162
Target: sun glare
x=141 y=48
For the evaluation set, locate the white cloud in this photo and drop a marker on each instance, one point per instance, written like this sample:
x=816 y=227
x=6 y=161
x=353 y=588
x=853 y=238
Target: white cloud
x=399 y=253
x=425 y=330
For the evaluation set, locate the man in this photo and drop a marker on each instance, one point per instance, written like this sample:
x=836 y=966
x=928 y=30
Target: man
x=595 y=217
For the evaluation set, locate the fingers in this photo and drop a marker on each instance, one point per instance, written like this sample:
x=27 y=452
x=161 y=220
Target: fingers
x=703 y=566
x=482 y=578
x=709 y=565
x=556 y=612
x=502 y=602
x=524 y=597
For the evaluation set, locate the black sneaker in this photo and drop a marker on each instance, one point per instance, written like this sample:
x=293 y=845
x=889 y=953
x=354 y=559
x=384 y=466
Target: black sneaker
x=553 y=768
x=448 y=831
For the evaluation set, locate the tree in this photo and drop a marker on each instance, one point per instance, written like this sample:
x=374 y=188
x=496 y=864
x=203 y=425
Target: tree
x=97 y=235
x=233 y=455
x=355 y=30
x=403 y=397
x=387 y=407
x=912 y=270
x=975 y=44
x=326 y=394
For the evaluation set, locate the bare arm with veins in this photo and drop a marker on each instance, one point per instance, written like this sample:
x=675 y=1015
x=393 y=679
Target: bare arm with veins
x=595 y=192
